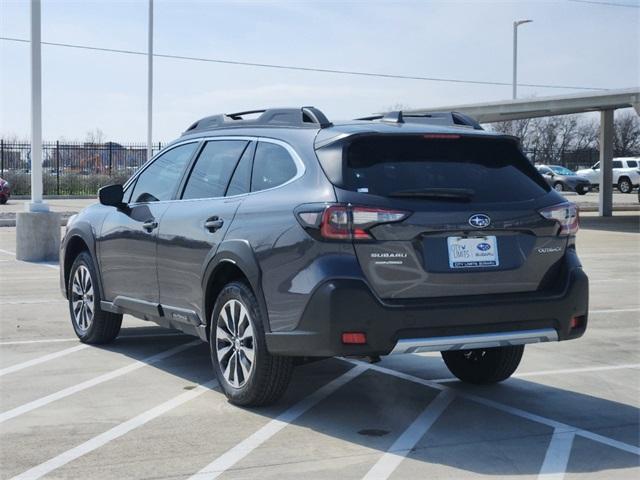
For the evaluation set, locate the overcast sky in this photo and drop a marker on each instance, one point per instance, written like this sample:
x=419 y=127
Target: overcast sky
x=570 y=43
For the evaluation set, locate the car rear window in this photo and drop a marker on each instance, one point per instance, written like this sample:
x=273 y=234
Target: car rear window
x=494 y=170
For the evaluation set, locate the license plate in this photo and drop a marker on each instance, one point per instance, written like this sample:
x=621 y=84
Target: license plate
x=472 y=252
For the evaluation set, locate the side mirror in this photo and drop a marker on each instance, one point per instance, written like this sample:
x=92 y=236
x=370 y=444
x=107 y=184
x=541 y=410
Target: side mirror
x=111 y=195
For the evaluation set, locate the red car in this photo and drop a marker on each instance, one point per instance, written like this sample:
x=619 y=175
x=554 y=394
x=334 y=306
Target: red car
x=5 y=191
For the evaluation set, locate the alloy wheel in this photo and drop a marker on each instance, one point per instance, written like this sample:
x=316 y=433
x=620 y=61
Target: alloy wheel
x=235 y=347
x=625 y=186
x=82 y=298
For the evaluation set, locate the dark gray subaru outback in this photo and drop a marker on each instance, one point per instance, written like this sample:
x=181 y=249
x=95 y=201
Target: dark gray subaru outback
x=276 y=235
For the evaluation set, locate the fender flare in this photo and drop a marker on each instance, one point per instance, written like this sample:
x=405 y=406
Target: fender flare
x=84 y=232
x=241 y=254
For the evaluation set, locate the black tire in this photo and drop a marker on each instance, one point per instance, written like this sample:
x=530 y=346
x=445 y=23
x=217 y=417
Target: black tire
x=582 y=190
x=3 y=200
x=625 y=185
x=558 y=187
x=484 y=365
x=102 y=327
x=268 y=375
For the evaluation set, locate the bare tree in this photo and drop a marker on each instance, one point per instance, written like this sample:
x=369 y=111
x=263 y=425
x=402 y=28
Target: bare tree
x=586 y=136
x=626 y=139
x=516 y=128
x=95 y=137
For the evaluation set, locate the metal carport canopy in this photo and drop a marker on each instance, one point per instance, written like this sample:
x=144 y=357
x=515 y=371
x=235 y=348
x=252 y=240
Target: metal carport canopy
x=604 y=102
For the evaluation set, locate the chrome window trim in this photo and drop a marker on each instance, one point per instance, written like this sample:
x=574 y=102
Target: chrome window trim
x=300 y=167
x=150 y=162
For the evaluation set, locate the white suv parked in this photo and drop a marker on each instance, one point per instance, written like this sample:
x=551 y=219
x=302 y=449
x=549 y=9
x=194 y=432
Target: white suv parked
x=626 y=173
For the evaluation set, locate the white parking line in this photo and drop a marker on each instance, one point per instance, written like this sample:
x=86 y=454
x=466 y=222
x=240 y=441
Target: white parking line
x=48 y=340
x=556 y=459
x=44 y=264
x=249 y=444
x=607 y=254
x=508 y=409
x=39 y=360
x=403 y=445
x=616 y=310
x=554 y=372
x=113 y=433
x=27 y=407
x=31 y=301
x=75 y=339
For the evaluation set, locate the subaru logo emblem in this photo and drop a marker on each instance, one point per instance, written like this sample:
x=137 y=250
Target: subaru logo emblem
x=483 y=247
x=479 y=220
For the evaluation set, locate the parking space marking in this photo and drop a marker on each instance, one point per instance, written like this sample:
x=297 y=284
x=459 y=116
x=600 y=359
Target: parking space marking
x=249 y=444
x=75 y=339
x=113 y=433
x=556 y=459
x=44 y=264
x=508 y=409
x=39 y=360
x=616 y=310
x=607 y=254
x=403 y=445
x=27 y=301
x=554 y=372
x=27 y=407
x=48 y=340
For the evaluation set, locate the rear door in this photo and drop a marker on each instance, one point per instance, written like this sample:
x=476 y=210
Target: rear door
x=194 y=226
x=474 y=226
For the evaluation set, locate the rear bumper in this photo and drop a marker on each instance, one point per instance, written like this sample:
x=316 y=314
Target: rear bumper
x=339 y=306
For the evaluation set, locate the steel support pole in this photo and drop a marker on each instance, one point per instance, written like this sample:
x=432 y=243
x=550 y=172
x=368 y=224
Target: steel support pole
x=150 y=84
x=36 y=204
x=515 y=61
x=605 y=201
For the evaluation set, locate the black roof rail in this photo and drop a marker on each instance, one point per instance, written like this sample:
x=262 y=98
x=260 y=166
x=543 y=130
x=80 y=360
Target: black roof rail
x=434 y=118
x=292 y=117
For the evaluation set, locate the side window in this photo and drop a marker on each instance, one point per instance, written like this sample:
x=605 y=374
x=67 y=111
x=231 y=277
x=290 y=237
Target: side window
x=241 y=180
x=272 y=166
x=212 y=171
x=160 y=179
x=632 y=164
x=617 y=164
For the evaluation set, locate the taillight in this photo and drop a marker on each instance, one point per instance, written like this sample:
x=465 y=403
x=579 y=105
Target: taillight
x=347 y=222
x=567 y=216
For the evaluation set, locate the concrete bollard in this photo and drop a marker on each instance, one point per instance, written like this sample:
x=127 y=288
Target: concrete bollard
x=38 y=236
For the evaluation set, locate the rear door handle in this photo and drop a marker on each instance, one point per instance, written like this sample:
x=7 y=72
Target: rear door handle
x=213 y=223
x=150 y=225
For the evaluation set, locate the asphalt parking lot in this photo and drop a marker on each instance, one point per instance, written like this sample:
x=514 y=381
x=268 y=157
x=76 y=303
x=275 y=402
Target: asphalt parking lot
x=146 y=407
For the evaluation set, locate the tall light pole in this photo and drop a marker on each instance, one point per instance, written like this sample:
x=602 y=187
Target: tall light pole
x=516 y=24
x=37 y=228
x=36 y=203
x=150 y=84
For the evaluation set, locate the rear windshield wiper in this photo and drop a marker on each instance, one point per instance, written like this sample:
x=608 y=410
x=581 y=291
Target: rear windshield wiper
x=446 y=193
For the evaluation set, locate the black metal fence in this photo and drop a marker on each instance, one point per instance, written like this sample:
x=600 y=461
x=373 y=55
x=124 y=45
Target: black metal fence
x=82 y=168
x=71 y=168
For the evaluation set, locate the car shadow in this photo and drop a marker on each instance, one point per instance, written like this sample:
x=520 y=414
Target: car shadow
x=372 y=410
